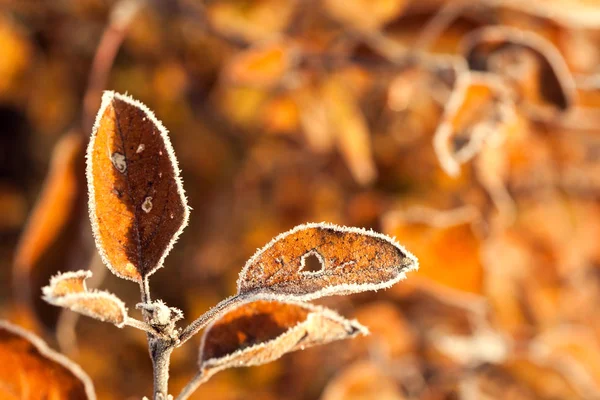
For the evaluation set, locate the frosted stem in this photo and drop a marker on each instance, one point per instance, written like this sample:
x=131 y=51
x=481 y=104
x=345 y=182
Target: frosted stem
x=207 y=318
x=191 y=387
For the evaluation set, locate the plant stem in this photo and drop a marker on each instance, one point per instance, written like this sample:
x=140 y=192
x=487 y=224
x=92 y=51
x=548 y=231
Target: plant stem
x=206 y=318
x=191 y=387
x=160 y=352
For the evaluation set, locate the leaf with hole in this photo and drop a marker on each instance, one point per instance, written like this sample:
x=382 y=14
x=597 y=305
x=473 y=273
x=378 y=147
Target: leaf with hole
x=29 y=369
x=137 y=203
x=69 y=290
x=352 y=260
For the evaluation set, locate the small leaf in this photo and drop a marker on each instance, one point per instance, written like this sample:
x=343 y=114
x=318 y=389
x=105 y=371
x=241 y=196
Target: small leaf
x=259 y=332
x=533 y=64
x=137 y=204
x=29 y=369
x=480 y=111
x=354 y=260
x=68 y=290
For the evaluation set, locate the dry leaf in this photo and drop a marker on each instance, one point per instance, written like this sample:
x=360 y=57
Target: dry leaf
x=259 y=332
x=352 y=132
x=53 y=236
x=69 y=290
x=479 y=112
x=533 y=64
x=352 y=260
x=364 y=14
x=262 y=65
x=30 y=370
x=137 y=204
x=363 y=380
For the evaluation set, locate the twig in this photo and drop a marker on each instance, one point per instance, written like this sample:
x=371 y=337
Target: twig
x=121 y=17
x=191 y=387
x=206 y=318
x=439 y=23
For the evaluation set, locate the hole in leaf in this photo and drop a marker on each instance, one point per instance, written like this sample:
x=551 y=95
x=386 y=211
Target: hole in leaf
x=311 y=263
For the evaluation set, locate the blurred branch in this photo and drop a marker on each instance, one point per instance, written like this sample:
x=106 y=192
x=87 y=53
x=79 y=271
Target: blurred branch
x=122 y=15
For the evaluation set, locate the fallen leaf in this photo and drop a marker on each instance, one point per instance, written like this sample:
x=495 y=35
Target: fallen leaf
x=30 y=370
x=69 y=290
x=53 y=238
x=263 y=65
x=363 y=380
x=533 y=65
x=480 y=111
x=364 y=14
x=259 y=332
x=351 y=130
x=137 y=204
x=352 y=260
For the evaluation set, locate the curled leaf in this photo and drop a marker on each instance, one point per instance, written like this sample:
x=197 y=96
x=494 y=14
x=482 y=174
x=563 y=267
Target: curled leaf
x=29 y=369
x=479 y=112
x=533 y=64
x=259 y=332
x=69 y=290
x=137 y=203
x=352 y=260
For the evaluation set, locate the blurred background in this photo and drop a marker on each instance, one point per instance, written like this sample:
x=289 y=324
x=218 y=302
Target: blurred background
x=469 y=130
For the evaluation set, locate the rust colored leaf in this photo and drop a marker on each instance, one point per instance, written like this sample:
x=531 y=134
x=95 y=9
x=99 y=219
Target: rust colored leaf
x=30 y=370
x=53 y=236
x=137 y=203
x=69 y=290
x=261 y=331
x=533 y=64
x=352 y=260
x=479 y=112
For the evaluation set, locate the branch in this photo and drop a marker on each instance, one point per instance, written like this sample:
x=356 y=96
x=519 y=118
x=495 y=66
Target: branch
x=191 y=387
x=207 y=318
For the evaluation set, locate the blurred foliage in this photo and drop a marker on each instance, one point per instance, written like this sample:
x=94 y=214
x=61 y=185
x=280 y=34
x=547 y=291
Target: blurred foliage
x=283 y=112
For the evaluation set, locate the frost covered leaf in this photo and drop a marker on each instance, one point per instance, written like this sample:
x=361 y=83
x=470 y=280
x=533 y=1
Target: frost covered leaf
x=137 y=203
x=69 y=290
x=261 y=331
x=352 y=260
x=29 y=369
x=479 y=112
x=533 y=64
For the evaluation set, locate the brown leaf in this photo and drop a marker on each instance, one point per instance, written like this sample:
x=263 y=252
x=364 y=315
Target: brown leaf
x=53 y=238
x=533 y=64
x=352 y=260
x=363 y=380
x=30 y=370
x=364 y=14
x=137 y=203
x=351 y=130
x=479 y=112
x=262 y=331
x=69 y=290
x=261 y=65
